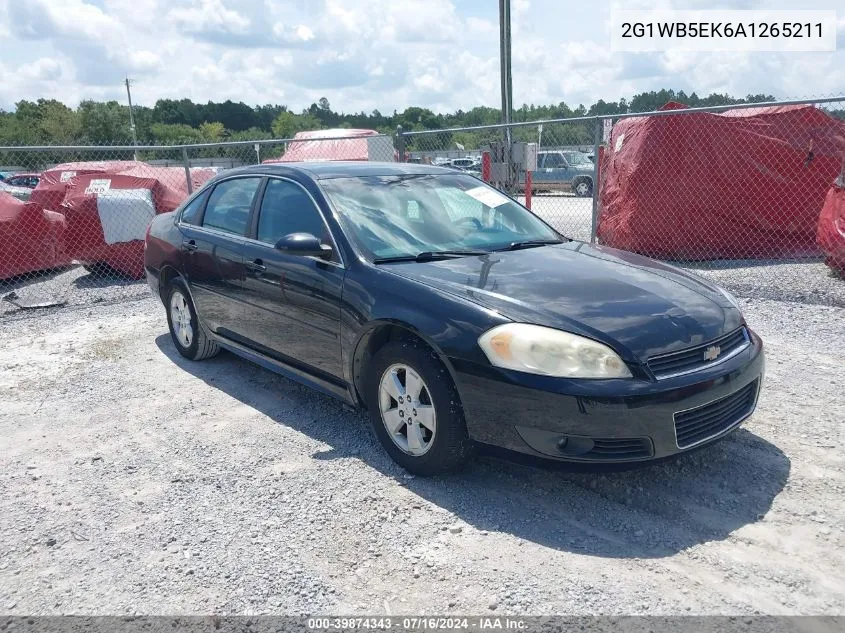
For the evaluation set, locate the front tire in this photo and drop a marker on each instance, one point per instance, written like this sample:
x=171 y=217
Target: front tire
x=415 y=409
x=188 y=336
x=583 y=188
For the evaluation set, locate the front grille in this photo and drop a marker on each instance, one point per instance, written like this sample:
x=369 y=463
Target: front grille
x=696 y=425
x=693 y=358
x=619 y=448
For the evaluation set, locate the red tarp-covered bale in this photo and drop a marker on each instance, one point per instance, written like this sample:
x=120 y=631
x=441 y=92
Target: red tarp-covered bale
x=747 y=183
x=108 y=207
x=831 y=231
x=30 y=237
x=53 y=185
x=337 y=144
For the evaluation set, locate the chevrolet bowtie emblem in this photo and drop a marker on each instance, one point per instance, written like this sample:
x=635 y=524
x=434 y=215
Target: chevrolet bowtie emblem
x=712 y=352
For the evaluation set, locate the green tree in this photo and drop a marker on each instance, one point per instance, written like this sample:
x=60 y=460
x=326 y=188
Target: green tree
x=287 y=124
x=59 y=124
x=104 y=123
x=175 y=134
x=212 y=132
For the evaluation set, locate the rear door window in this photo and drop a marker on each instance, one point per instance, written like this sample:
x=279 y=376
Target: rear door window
x=191 y=212
x=229 y=205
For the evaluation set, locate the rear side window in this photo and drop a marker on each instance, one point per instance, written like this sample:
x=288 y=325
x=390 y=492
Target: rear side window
x=286 y=208
x=191 y=212
x=229 y=205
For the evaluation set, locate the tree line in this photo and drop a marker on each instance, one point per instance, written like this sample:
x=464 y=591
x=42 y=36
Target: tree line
x=171 y=121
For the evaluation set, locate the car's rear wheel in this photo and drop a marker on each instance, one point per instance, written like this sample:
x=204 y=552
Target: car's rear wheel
x=415 y=409
x=187 y=334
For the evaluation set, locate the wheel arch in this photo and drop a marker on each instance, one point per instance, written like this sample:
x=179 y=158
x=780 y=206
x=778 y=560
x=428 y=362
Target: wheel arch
x=373 y=338
x=167 y=274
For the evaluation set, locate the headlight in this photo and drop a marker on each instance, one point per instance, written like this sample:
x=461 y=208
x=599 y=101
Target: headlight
x=730 y=298
x=541 y=350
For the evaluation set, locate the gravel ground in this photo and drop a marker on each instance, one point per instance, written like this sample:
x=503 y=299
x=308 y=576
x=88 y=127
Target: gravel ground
x=133 y=481
x=72 y=287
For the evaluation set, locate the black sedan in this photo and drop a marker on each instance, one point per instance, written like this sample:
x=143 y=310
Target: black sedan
x=454 y=315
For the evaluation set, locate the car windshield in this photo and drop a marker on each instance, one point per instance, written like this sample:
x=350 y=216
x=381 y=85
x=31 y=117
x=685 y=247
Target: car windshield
x=577 y=158
x=399 y=216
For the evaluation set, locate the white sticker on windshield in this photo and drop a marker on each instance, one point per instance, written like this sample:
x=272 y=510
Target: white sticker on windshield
x=487 y=196
x=98 y=186
x=67 y=175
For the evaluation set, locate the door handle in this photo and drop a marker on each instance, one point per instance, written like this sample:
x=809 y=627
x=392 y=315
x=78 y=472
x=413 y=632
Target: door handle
x=190 y=245
x=256 y=265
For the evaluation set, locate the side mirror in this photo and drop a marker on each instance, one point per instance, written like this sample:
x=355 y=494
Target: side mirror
x=304 y=245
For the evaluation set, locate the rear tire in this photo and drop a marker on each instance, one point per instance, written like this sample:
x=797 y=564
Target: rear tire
x=442 y=443
x=188 y=335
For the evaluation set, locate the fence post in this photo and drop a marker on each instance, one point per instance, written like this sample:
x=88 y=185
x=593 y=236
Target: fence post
x=485 y=166
x=597 y=130
x=187 y=170
x=528 y=186
x=400 y=144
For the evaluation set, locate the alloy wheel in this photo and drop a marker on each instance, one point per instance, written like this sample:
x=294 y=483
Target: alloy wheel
x=407 y=411
x=180 y=317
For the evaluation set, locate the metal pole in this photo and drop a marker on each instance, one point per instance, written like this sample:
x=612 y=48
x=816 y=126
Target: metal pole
x=400 y=144
x=597 y=129
x=505 y=65
x=131 y=119
x=511 y=178
x=187 y=170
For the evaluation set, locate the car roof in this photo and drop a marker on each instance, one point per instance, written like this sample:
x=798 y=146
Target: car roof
x=324 y=170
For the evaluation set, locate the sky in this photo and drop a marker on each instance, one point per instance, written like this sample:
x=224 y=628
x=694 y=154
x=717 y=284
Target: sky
x=372 y=54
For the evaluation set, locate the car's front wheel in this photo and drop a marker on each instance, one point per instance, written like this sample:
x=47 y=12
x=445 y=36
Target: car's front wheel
x=415 y=409
x=583 y=188
x=187 y=334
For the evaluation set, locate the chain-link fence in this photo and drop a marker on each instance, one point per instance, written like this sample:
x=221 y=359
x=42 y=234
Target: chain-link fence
x=745 y=195
x=73 y=219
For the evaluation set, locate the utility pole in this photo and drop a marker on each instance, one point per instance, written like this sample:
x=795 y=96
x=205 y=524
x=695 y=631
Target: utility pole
x=131 y=118
x=505 y=63
x=510 y=176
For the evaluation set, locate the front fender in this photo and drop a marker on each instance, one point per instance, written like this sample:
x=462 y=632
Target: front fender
x=375 y=300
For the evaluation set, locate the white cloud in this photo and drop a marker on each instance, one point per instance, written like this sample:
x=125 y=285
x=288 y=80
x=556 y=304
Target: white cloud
x=304 y=33
x=70 y=19
x=365 y=54
x=144 y=61
x=44 y=69
x=209 y=16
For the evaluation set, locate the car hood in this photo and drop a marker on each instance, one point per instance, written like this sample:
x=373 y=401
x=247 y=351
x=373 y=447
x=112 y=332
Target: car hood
x=637 y=305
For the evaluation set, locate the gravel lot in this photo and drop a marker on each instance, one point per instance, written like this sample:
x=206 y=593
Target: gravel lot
x=133 y=481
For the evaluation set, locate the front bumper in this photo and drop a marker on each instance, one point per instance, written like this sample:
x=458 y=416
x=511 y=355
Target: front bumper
x=619 y=420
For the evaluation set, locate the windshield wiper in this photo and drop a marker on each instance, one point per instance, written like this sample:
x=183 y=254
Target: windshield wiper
x=428 y=256
x=515 y=246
